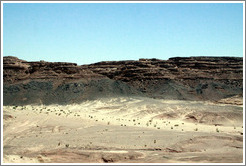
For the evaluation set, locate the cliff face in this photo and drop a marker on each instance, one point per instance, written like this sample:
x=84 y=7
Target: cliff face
x=192 y=78
x=174 y=68
x=56 y=83
x=16 y=70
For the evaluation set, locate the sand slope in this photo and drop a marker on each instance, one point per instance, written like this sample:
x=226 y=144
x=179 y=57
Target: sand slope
x=125 y=130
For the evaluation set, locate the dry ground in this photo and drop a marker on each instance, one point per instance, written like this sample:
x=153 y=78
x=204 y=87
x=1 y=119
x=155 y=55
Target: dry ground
x=124 y=130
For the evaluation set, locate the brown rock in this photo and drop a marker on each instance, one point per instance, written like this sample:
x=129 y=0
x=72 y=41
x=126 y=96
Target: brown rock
x=186 y=78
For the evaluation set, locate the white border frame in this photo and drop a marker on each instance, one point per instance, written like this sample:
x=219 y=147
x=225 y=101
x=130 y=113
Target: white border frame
x=243 y=2
x=122 y=2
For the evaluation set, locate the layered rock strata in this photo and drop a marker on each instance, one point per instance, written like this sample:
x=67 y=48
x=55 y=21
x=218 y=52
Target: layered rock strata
x=195 y=78
x=189 y=78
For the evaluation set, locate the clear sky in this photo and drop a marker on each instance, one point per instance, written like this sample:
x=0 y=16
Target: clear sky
x=88 y=33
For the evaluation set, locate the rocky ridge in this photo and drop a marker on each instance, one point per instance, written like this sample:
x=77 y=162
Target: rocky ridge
x=195 y=78
x=174 y=68
x=16 y=70
x=189 y=78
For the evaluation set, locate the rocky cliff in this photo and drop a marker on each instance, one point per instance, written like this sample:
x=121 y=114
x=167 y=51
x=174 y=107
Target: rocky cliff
x=193 y=78
x=190 y=78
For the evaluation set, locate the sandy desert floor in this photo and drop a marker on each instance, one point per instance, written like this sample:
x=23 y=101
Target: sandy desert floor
x=124 y=130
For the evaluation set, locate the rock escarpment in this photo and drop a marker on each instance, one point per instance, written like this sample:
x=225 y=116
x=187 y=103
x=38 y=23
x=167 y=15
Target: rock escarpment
x=56 y=83
x=16 y=70
x=191 y=78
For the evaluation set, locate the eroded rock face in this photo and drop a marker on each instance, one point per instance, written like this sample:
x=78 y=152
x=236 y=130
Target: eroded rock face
x=18 y=70
x=190 y=78
x=195 y=78
x=174 y=68
x=56 y=83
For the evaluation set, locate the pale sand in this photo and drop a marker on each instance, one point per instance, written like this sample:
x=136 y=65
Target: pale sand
x=123 y=130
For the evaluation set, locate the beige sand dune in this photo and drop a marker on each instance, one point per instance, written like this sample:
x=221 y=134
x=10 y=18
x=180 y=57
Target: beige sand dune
x=125 y=130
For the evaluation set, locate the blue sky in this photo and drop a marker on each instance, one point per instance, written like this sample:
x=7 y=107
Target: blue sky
x=88 y=33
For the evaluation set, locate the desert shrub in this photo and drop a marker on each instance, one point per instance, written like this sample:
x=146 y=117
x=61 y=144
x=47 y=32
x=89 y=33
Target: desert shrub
x=217 y=130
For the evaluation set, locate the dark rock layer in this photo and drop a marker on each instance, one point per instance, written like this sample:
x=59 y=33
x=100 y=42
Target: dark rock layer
x=192 y=78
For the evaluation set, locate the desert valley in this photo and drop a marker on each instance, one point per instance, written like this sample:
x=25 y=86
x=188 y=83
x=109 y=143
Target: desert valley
x=180 y=110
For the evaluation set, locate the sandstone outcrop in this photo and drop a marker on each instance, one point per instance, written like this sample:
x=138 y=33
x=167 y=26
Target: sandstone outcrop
x=208 y=78
x=16 y=70
x=188 y=78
